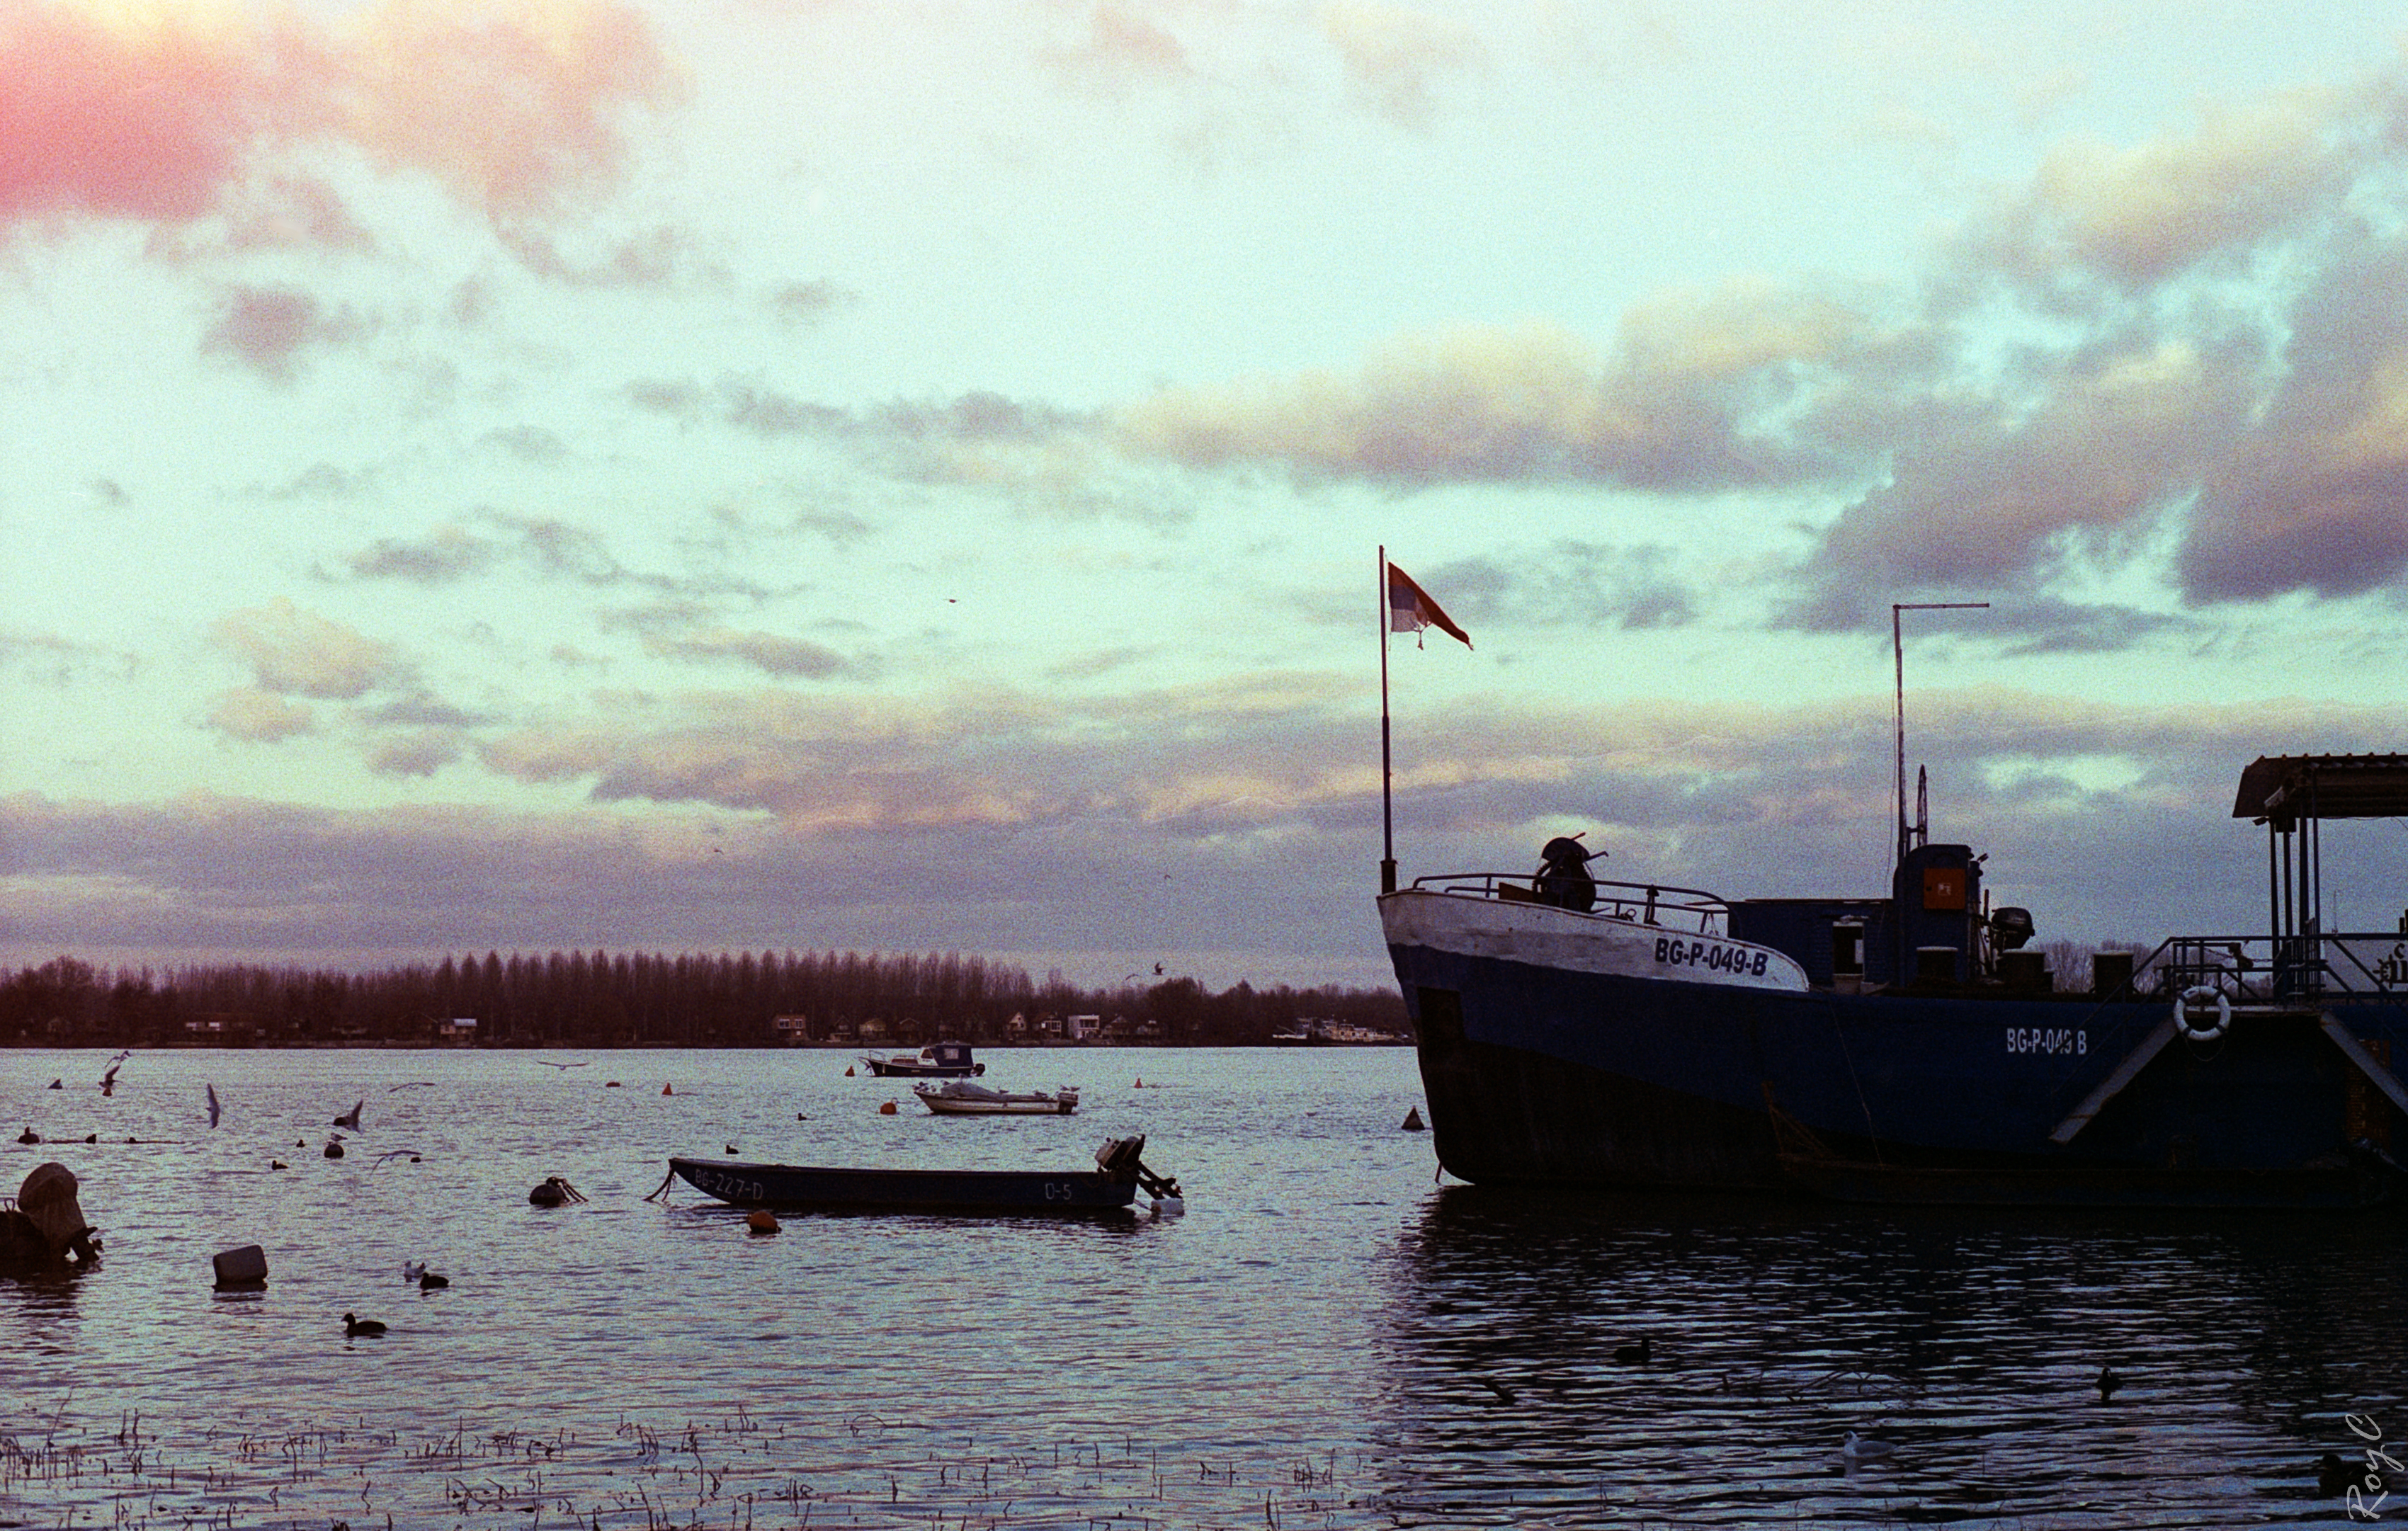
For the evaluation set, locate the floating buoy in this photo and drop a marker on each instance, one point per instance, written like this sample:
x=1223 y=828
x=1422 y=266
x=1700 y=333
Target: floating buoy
x=666 y=1091
x=848 y=1074
x=241 y=1267
x=334 y=1150
x=61 y=1084
x=612 y=1085
x=886 y=1108
x=759 y=1221
x=91 y=1137
x=1412 y=1119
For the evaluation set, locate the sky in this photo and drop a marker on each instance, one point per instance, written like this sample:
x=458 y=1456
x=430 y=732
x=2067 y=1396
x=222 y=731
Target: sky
x=749 y=475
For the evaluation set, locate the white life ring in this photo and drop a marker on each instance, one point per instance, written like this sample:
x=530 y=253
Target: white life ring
x=2223 y=1013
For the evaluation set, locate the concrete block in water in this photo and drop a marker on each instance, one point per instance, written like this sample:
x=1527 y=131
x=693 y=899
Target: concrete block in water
x=244 y=1267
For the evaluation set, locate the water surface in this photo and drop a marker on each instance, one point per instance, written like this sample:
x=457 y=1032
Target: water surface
x=1332 y=1335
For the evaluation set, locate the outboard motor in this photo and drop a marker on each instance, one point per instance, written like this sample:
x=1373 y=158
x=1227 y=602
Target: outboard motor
x=1562 y=879
x=2011 y=928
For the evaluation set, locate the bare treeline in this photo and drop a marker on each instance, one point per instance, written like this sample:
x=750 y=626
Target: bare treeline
x=643 y=999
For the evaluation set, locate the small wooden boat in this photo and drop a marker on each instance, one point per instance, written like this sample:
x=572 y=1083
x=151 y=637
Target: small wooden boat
x=960 y=1098
x=939 y=1061
x=1111 y=1186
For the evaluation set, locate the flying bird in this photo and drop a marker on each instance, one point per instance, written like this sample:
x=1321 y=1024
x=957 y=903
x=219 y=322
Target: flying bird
x=213 y=1104
x=351 y=1118
x=549 y=1063
x=108 y=1080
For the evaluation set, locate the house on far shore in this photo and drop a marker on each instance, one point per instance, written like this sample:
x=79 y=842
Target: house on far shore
x=792 y=1030
x=459 y=1031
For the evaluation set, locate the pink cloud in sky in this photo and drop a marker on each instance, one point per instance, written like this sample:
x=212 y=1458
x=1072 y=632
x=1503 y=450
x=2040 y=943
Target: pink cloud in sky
x=157 y=115
x=298 y=652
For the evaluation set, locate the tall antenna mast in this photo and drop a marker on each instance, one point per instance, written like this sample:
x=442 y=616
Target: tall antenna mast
x=1897 y=655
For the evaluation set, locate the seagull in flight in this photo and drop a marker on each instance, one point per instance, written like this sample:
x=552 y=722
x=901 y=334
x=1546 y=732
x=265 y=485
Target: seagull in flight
x=549 y=1063
x=213 y=1104
x=351 y=1118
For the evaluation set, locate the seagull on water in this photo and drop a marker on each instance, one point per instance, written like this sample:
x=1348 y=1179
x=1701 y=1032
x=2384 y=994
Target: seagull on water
x=1855 y=1448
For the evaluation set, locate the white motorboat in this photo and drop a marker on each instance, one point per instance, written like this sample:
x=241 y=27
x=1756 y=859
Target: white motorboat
x=961 y=1098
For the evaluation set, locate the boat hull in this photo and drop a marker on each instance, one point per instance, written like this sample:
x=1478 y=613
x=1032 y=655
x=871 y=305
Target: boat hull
x=988 y=1192
x=1612 y=1068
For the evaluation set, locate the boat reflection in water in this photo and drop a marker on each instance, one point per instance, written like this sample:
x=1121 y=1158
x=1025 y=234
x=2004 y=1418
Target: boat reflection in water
x=1972 y=1340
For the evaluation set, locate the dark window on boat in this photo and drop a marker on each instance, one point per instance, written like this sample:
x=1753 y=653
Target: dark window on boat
x=1847 y=951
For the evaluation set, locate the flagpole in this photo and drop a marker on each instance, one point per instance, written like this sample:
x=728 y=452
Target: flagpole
x=1388 y=811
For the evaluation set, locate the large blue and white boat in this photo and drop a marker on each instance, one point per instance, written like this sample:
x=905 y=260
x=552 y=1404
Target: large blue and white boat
x=1913 y=1047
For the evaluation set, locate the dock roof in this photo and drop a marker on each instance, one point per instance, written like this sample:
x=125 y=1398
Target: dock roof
x=2286 y=789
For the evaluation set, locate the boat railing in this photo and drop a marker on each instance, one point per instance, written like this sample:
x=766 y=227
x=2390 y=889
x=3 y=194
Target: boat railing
x=2321 y=968
x=1688 y=909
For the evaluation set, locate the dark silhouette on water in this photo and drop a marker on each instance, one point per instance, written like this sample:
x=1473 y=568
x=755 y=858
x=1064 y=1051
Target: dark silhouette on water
x=360 y=1328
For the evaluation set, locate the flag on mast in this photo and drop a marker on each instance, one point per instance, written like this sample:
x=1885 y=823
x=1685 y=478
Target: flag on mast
x=1410 y=610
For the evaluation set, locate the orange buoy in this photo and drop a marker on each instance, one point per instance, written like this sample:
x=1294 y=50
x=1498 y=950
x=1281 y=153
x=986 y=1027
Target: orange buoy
x=848 y=1071
x=666 y=1091
x=759 y=1221
x=886 y=1108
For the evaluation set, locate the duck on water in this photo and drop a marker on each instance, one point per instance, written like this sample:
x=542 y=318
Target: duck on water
x=1911 y=1046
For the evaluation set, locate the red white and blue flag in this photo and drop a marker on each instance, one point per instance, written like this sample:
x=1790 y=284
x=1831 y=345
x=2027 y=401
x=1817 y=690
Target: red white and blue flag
x=1410 y=610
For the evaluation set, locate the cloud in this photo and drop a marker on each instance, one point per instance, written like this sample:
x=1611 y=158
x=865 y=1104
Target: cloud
x=264 y=328
x=770 y=652
x=992 y=823
x=1120 y=48
x=444 y=554
x=53 y=660
x=808 y=302
x=1690 y=401
x=421 y=752
x=254 y=716
x=1572 y=583
x=1396 y=55
x=300 y=654
x=162 y=113
x=2137 y=216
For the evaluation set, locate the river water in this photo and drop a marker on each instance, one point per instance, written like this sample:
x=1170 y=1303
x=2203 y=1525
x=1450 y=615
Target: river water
x=1333 y=1335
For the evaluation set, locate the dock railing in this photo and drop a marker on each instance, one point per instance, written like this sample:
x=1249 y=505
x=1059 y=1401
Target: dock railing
x=2319 y=969
x=1688 y=909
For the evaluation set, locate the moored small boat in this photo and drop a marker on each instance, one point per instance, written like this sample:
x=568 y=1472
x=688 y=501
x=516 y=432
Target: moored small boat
x=937 y=1061
x=1112 y=1185
x=960 y=1098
